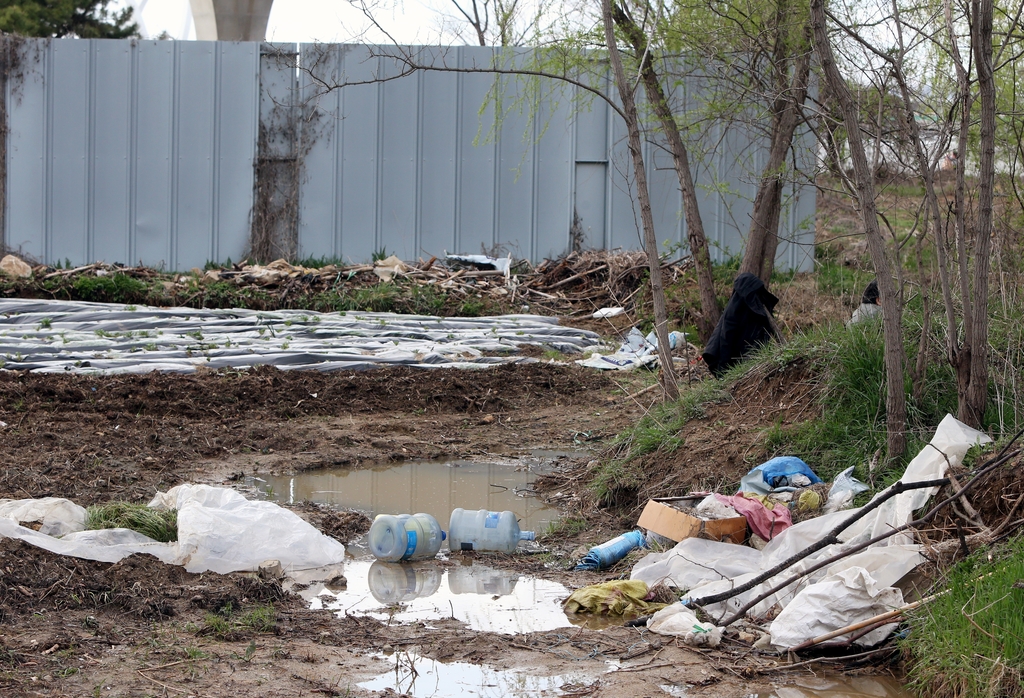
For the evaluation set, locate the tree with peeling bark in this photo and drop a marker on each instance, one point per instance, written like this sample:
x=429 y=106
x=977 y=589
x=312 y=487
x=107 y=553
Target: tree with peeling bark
x=758 y=53
x=632 y=119
x=709 y=310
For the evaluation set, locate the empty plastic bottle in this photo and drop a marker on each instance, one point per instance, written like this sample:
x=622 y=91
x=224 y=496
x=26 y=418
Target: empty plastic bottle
x=607 y=554
x=485 y=530
x=404 y=537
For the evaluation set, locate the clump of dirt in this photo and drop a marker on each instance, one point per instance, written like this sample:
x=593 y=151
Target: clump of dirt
x=343 y=526
x=33 y=580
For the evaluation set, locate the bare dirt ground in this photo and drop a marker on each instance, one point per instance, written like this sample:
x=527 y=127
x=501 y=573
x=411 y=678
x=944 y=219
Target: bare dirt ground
x=138 y=627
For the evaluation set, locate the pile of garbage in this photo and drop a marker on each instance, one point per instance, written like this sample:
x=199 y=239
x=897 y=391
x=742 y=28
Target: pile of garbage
x=831 y=578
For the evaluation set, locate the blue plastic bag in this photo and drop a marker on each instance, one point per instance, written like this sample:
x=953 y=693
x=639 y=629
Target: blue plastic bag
x=778 y=475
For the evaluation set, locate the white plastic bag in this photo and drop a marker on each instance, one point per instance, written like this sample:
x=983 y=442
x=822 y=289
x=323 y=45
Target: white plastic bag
x=844 y=488
x=711 y=509
x=679 y=621
x=835 y=602
x=57 y=516
x=218 y=530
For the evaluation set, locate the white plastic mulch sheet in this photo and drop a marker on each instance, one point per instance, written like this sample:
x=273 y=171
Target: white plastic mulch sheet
x=58 y=336
x=219 y=530
x=851 y=590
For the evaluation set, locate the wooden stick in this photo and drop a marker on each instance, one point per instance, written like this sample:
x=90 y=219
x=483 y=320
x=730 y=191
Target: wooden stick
x=563 y=282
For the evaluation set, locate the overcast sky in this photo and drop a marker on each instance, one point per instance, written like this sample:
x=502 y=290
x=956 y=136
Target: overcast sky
x=408 y=21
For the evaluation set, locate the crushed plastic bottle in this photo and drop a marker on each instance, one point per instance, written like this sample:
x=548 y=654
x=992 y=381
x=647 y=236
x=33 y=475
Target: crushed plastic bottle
x=404 y=537
x=485 y=530
x=607 y=554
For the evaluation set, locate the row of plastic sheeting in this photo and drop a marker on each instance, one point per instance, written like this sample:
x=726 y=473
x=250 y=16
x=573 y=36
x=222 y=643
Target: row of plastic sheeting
x=78 y=337
x=853 y=589
x=219 y=530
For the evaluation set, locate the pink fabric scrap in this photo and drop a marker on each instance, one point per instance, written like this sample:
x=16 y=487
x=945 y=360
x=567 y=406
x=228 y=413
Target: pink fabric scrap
x=763 y=521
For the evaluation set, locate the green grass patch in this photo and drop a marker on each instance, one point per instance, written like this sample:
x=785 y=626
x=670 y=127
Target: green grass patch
x=565 y=528
x=116 y=288
x=159 y=525
x=969 y=642
x=320 y=262
x=658 y=430
x=226 y=623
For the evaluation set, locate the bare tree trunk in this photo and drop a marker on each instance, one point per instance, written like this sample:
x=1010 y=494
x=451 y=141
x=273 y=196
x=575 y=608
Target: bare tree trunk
x=920 y=372
x=925 y=168
x=972 y=409
x=710 y=312
x=763 y=236
x=646 y=216
x=896 y=400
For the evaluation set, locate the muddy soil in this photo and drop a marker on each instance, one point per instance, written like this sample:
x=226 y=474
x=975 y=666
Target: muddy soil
x=138 y=627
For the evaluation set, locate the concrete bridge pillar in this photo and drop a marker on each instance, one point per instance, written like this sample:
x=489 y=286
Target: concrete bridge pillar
x=231 y=20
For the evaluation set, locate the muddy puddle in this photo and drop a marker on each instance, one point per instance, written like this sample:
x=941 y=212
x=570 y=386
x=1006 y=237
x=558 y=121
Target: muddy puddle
x=485 y=598
x=431 y=487
x=839 y=687
x=420 y=677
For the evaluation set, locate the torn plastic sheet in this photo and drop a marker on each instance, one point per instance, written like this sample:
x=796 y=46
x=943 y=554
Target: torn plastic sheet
x=219 y=530
x=851 y=595
x=635 y=351
x=78 y=337
x=702 y=567
x=681 y=622
x=55 y=516
x=481 y=261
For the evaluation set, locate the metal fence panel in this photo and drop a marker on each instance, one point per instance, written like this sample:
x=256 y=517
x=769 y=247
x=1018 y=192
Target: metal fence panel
x=68 y=197
x=25 y=222
x=438 y=136
x=237 y=124
x=111 y=77
x=152 y=195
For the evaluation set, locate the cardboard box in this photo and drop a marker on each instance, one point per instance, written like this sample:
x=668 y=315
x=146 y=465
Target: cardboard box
x=673 y=522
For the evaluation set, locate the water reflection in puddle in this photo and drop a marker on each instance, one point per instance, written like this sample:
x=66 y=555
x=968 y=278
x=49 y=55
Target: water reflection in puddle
x=485 y=598
x=432 y=487
x=841 y=687
x=831 y=687
x=420 y=677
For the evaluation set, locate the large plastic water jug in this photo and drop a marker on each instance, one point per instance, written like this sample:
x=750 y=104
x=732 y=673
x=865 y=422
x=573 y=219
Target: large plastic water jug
x=485 y=530
x=404 y=537
x=393 y=582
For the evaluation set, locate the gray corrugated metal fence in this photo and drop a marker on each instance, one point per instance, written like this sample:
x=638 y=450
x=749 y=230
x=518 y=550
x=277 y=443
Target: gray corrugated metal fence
x=147 y=151
x=132 y=150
